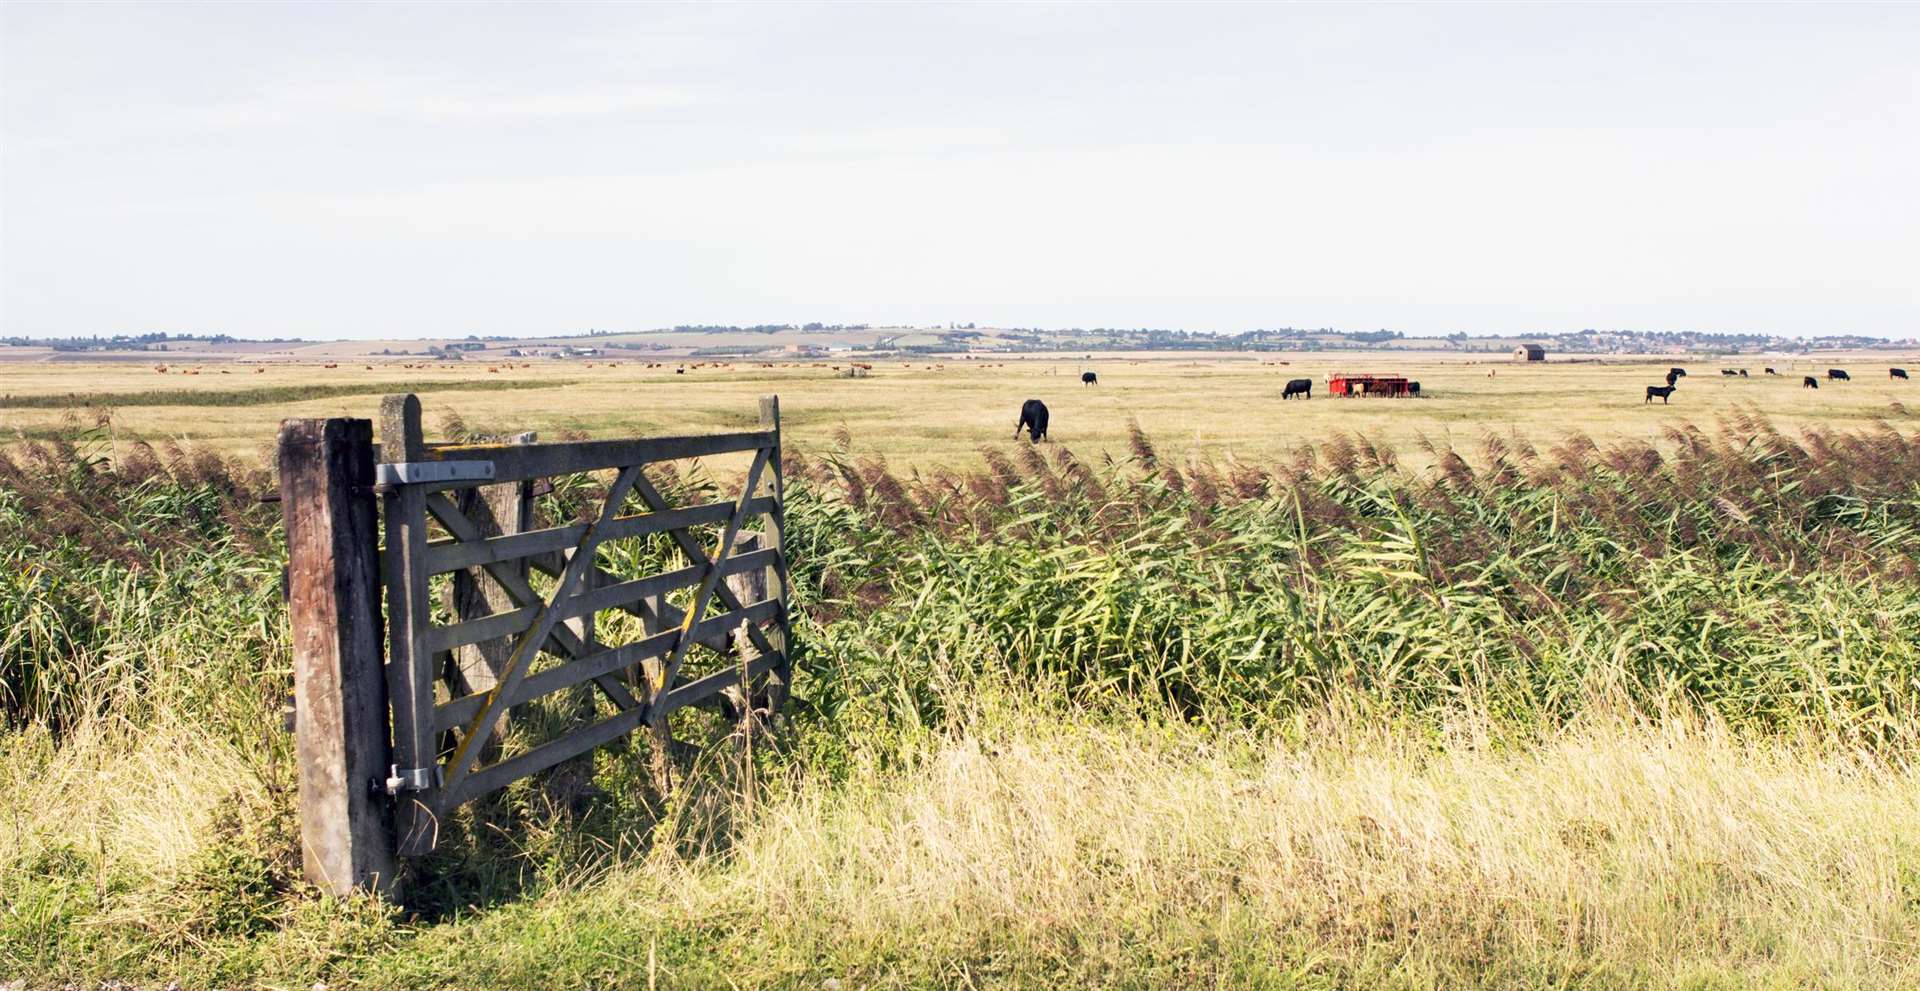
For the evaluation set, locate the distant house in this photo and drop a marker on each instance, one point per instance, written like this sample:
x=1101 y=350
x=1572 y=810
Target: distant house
x=1529 y=352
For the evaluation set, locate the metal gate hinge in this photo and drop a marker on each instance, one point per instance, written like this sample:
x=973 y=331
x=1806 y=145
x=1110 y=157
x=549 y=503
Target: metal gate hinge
x=411 y=472
x=412 y=779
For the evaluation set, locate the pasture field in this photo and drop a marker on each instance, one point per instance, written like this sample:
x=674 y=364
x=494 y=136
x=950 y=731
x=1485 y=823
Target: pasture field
x=1506 y=708
x=918 y=415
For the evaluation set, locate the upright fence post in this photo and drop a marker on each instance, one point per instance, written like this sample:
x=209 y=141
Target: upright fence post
x=780 y=679
x=333 y=607
x=415 y=777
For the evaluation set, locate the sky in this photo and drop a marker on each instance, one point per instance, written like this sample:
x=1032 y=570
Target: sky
x=411 y=171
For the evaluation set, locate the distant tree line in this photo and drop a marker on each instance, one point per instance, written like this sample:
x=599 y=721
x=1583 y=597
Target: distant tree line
x=763 y=328
x=156 y=341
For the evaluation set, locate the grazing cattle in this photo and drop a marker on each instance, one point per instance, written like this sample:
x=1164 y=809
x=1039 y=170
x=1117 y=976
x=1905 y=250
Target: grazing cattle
x=1413 y=388
x=1676 y=373
x=1728 y=371
x=1088 y=378
x=1896 y=373
x=1770 y=371
x=1033 y=419
x=1663 y=391
x=1298 y=387
x=1809 y=382
x=1743 y=373
x=1837 y=373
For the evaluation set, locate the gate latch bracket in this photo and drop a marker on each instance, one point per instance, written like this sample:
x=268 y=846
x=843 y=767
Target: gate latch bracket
x=412 y=779
x=411 y=472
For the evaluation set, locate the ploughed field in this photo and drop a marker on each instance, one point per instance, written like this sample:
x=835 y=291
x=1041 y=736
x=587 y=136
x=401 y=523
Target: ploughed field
x=917 y=414
x=1539 y=709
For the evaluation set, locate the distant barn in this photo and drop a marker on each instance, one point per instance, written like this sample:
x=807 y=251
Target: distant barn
x=1346 y=384
x=1529 y=352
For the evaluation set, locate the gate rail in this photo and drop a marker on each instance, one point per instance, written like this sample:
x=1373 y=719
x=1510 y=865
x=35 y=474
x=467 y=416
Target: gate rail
x=384 y=759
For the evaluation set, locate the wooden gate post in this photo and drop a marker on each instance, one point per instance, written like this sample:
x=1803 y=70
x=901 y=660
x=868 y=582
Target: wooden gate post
x=340 y=698
x=410 y=675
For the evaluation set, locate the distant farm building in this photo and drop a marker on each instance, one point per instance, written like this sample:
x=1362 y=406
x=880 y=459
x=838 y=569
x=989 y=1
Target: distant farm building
x=1346 y=384
x=1529 y=352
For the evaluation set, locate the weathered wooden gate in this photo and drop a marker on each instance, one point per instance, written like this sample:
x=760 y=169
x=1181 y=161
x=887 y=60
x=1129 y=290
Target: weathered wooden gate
x=388 y=747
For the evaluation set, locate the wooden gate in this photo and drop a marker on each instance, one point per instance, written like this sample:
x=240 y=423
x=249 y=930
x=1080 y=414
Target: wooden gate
x=389 y=746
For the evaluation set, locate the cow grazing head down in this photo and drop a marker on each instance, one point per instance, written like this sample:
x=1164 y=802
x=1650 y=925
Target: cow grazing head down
x=1088 y=378
x=1033 y=419
x=1809 y=382
x=1298 y=387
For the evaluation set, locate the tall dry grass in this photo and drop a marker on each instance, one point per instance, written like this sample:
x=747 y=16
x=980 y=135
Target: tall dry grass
x=1032 y=850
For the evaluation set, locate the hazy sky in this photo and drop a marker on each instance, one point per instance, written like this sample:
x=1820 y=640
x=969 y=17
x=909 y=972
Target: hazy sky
x=370 y=171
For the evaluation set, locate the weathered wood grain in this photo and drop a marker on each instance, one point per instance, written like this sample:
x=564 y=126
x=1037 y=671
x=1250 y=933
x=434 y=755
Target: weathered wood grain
x=780 y=679
x=333 y=608
x=461 y=710
x=614 y=595
x=560 y=639
x=410 y=670
x=496 y=511
x=513 y=463
x=462 y=762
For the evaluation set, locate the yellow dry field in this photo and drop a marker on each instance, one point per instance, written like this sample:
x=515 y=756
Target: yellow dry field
x=922 y=413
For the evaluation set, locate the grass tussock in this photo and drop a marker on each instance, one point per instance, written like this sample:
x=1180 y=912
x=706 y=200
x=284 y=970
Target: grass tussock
x=1541 y=715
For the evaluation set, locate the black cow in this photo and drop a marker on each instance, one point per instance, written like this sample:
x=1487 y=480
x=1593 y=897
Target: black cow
x=1743 y=373
x=1033 y=419
x=1896 y=373
x=1413 y=388
x=1088 y=378
x=1770 y=371
x=1675 y=373
x=1809 y=382
x=1837 y=373
x=1298 y=387
x=1663 y=391
x=1728 y=371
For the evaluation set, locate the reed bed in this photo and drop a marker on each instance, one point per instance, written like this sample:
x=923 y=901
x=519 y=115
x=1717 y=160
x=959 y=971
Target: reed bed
x=1767 y=578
